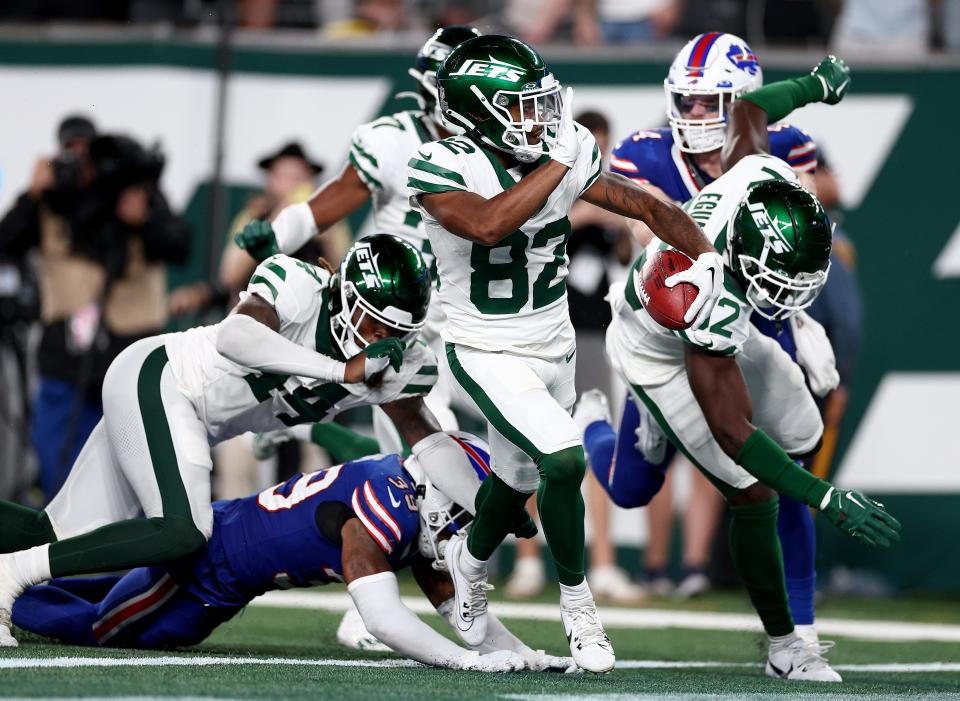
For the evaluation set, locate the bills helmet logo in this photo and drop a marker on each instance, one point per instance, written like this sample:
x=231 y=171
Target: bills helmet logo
x=743 y=58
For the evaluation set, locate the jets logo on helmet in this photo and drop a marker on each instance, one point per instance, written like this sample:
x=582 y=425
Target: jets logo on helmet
x=713 y=69
x=498 y=70
x=769 y=227
x=367 y=262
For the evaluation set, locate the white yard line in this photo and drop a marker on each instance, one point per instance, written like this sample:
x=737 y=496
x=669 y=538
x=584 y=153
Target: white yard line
x=210 y=660
x=615 y=617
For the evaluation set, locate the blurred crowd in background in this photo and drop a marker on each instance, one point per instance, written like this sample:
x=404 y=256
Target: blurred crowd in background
x=902 y=27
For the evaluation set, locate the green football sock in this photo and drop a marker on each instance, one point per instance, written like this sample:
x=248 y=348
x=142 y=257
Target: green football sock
x=119 y=546
x=498 y=509
x=561 y=511
x=343 y=444
x=22 y=527
x=756 y=553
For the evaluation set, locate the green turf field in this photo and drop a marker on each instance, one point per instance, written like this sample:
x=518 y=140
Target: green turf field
x=290 y=653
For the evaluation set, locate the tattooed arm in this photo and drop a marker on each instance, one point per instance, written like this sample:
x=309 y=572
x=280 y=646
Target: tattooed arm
x=670 y=223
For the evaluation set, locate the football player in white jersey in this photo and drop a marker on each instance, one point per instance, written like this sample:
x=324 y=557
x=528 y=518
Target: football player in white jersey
x=377 y=171
x=495 y=204
x=729 y=397
x=302 y=346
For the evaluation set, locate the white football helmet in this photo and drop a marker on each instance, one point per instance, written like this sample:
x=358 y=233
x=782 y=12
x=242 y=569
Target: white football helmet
x=438 y=512
x=712 y=67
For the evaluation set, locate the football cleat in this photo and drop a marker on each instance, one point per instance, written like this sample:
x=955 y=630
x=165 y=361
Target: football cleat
x=592 y=407
x=796 y=659
x=693 y=584
x=527 y=579
x=470 y=596
x=589 y=645
x=10 y=589
x=651 y=440
x=611 y=584
x=352 y=633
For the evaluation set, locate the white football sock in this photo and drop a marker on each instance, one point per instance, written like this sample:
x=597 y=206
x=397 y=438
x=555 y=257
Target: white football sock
x=470 y=565
x=576 y=592
x=31 y=566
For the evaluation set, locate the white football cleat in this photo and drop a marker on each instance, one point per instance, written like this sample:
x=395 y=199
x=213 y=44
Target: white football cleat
x=798 y=660
x=592 y=407
x=10 y=589
x=470 y=596
x=692 y=585
x=589 y=645
x=610 y=583
x=352 y=633
x=651 y=440
x=527 y=580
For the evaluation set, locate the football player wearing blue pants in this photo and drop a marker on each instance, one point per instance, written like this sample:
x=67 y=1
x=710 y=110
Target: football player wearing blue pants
x=708 y=74
x=356 y=523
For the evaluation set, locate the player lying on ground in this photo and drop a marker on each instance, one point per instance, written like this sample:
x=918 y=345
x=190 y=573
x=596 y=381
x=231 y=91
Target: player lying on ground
x=706 y=77
x=730 y=398
x=303 y=345
x=356 y=523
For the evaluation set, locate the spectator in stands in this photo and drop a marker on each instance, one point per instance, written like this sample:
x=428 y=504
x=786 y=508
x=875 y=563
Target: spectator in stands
x=625 y=21
x=104 y=234
x=598 y=242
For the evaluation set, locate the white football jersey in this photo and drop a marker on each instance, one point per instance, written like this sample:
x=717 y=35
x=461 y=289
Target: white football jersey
x=379 y=151
x=511 y=296
x=652 y=354
x=231 y=399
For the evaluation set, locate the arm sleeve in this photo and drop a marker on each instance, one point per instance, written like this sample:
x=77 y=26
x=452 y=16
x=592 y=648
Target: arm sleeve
x=434 y=168
x=293 y=227
x=378 y=600
x=590 y=157
x=448 y=468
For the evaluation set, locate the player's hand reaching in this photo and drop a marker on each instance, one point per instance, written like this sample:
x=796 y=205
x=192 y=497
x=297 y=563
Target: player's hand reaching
x=860 y=517
x=257 y=239
x=834 y=76
x=706 y=274
x=540 y=661
x=374 y=359
x=500 y=661
x=565 y=146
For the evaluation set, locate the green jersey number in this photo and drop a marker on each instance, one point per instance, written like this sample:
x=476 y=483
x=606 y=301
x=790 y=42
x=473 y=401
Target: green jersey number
x=507 y=263
x=308 y=404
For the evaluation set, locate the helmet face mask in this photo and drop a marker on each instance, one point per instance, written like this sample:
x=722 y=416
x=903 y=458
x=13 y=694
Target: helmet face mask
x=384 y=278
x=424 y=71
x=497 y=89
x=780 y=248
x=712 y=65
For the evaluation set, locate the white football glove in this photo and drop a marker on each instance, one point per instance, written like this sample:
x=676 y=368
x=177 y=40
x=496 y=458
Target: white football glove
x=540 y=661
x=499 y=662
x=706 y=274
x=815 y=354
x=566 y=144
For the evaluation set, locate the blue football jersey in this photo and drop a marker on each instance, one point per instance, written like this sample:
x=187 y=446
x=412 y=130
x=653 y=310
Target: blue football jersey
x=272 y=540
x=651 y=156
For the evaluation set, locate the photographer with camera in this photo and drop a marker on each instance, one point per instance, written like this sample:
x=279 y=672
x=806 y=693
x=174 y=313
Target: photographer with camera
x=104 y=234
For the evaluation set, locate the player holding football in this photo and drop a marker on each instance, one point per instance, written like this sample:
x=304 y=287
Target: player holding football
x=356 y=523
x=728 y=396
x=708 y=74
x=495 y=204
x=300 y=347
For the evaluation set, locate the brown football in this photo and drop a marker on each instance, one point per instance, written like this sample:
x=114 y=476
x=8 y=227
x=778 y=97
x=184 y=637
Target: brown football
x=667 y=305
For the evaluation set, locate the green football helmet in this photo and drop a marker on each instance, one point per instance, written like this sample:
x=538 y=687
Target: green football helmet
x=429 y=58
x=780 y=247
x=498 y=90
x=383 y=276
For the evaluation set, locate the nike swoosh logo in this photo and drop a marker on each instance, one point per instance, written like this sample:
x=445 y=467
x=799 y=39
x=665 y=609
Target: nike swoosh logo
x=779 y=671
x=425 y=157
x=393 y=500
x=572 y=353
x=855 y=501
x=843 y=86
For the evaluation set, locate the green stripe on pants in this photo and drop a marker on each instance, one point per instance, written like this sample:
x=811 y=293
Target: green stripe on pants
x=725 y=489
x=490 y=411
